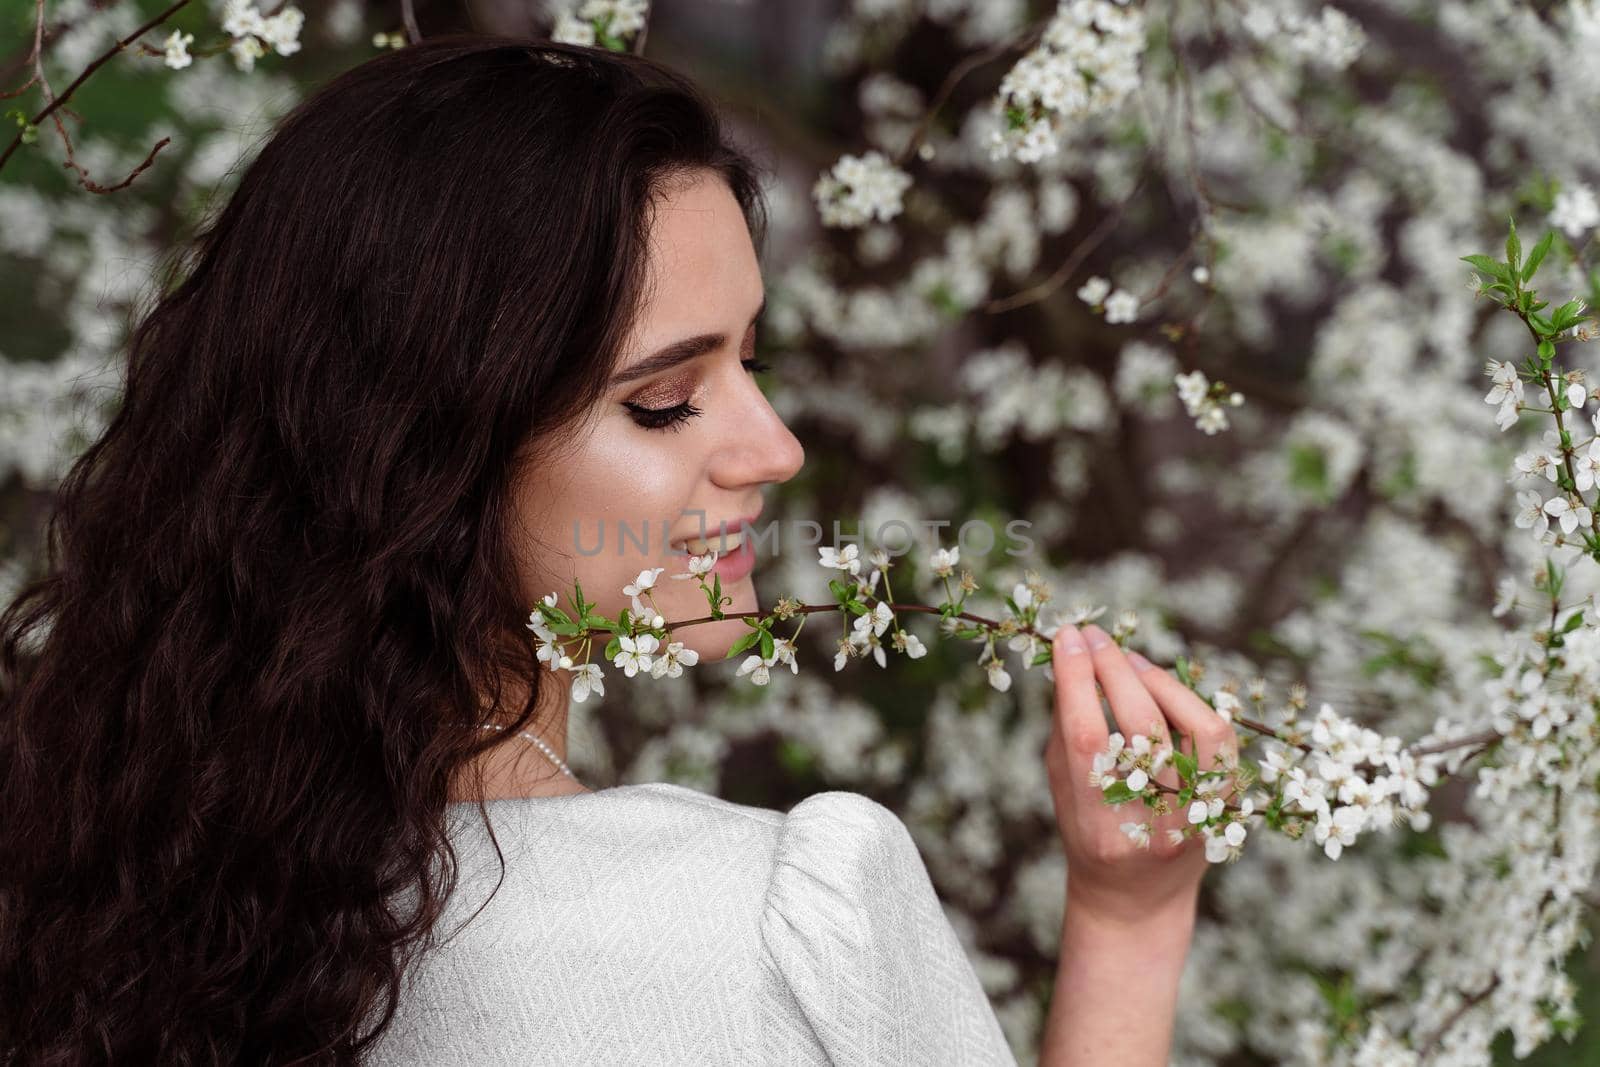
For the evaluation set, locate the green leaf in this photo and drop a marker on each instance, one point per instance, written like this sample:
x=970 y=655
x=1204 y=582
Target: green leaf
x=577 y=590
x=766 y=644
x=1344 y=1005
x=1545 y=327
x=1554 y=579
x=1492 y=267
x=1513 y=246
x=613 y=647
x=1536 y=257
x=796 y=758
x=1185 y=764
x=1043 y=657
x=743 y=644
x=564 y=629
x=1119 y=793
x=1573 y=623
x=1547 y=350
x=1567 y=315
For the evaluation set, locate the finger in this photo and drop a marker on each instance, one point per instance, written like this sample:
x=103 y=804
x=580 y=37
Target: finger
x=1132 y=705
x=1077 y=709
x=1211 y=734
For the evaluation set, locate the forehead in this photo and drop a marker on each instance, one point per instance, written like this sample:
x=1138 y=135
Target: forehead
x=701 y=270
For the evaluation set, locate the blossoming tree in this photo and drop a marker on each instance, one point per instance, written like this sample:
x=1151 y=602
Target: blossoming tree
x=1183 y=285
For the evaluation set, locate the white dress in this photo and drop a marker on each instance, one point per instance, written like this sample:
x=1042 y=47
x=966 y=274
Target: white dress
x=653 y=924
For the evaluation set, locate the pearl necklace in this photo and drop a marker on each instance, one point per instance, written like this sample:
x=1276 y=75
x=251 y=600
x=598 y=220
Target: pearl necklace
x=546 y=749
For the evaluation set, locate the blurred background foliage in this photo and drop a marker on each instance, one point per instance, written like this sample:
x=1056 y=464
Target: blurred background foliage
x=1125 y=497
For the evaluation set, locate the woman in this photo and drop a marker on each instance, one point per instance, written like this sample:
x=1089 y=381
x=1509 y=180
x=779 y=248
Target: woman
x=267 y=719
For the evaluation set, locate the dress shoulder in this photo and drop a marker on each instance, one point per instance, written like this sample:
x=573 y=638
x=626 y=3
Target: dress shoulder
x=856 y=937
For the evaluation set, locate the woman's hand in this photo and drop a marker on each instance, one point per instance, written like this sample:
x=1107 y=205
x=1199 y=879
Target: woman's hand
x=1107 y=872
x=1130 y=909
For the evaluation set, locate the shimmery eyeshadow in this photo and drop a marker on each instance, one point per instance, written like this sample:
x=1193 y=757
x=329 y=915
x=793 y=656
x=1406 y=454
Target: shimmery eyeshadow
x=666 y=393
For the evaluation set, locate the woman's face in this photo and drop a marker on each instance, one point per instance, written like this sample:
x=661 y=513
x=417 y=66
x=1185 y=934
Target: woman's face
x=682 y=432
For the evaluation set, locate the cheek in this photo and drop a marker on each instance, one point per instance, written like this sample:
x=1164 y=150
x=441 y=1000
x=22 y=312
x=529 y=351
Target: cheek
x=619 y=477
x=623 y=475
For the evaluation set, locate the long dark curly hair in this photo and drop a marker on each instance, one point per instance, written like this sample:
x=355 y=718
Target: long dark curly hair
x=279 y=591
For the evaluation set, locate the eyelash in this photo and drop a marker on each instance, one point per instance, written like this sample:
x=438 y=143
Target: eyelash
x=674 y=417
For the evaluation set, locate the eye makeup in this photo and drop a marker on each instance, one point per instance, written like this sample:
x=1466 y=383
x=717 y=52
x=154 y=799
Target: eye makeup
x=659 y=406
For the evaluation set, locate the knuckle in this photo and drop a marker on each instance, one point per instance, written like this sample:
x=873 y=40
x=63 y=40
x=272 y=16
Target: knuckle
x=1107 y=849
x=1084 y=741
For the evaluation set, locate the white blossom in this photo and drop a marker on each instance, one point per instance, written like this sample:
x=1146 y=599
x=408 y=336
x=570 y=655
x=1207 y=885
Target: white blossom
x=1122 y=306
x=1086 y=63
x=699 y=566
x=860 y=189
x=1576 y=210
x=671 y=661
x=646 y=580
x=757 y=668
x=846 y=559
x=635 y=653
x=177 y=49
x=1094 y=291
x=587 y=679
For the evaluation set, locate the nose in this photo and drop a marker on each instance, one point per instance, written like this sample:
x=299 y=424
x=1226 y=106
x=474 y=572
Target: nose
x=756 y=446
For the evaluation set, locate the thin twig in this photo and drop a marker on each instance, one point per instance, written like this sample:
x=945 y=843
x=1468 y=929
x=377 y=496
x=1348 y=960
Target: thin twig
x=638 y=42
x=33 y=56
x=1466 y=1005
x=1059 y=276
x=58 y=101
x=1023 y=42
x=926 y=609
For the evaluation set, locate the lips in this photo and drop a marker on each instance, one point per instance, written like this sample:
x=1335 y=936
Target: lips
x=697 y=547
x=725 y=537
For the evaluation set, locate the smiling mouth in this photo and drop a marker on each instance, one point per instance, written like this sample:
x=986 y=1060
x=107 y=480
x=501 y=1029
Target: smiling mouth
x=724 y=543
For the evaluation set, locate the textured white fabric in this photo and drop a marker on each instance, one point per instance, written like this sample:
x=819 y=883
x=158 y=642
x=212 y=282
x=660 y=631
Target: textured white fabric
x=655 y=924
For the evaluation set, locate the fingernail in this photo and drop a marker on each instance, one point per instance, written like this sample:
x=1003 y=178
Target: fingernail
x=1069 y=640
x=1097 y=637
x=1139 y=662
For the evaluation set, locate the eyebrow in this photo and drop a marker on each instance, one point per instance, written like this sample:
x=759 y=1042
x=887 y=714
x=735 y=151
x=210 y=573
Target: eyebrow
x=679 y=352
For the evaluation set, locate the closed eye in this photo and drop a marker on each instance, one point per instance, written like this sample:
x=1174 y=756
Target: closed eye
x=673 y=418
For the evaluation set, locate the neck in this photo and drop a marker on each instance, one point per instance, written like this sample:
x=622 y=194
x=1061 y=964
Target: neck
x=515 y=767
